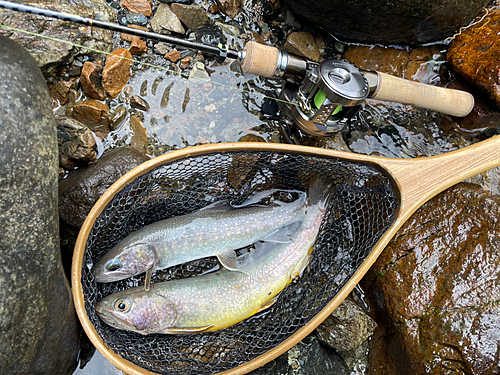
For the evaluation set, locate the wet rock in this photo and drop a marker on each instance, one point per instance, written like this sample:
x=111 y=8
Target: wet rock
x=162 y=48
x=346 y=328
x=136 y=19
x=173 y=56
x=90 y=80
x=230 y=8
x=308 y=357
x=403 y=22
x=335 y=142
x=421 y=64
x=38 y=323
x=302 y=44
x=82 y=188
x=185 y=62
x=192 y=16
x=47 y=52
x=485 y=116
x=438 y=280
x=210 y=34
x=229 y=29
x=137 y=6
x=60 y=91
x=116 y=72
x=139 y=103
x=165 y=21
x=116 y=117
x=199 y=72
x=138 y=47
x=139 y=138
x=76 y=143
x=475 y=54
x=92 y=113
x=251 y=138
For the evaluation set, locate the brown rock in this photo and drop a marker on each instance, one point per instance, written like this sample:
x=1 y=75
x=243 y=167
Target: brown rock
x=439 y=282
x=421 y=64
x=139 y=103
x=140 y=138
x=251 y=138
x=60 y=91
x=185 y=62
x=138 y=47
x=129 y=37
x=137 y=6
x=230 y=8
x=90 y=80
x=484 y=116
x=475 y=54
x=383 y=59
x=80 y=191
x=116 y=73
x=92 y=113
x=192 y=16
x=302 y=44
x=173 y=56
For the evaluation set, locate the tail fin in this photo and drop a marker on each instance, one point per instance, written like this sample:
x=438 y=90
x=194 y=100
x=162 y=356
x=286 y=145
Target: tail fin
x=320 y=191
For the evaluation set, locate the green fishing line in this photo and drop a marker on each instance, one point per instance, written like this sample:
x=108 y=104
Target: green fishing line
x=145 y=63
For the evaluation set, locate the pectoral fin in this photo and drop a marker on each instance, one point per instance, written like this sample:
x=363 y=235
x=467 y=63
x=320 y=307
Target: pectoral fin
x=267 y=304
x=147 y=281
x=188 y=330
x=283 y=234
x=228 y=260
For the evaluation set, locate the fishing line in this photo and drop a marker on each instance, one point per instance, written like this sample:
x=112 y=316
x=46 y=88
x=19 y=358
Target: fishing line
x=186 y=75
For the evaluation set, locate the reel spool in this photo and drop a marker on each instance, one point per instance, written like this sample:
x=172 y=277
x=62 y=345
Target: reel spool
x=326 y=99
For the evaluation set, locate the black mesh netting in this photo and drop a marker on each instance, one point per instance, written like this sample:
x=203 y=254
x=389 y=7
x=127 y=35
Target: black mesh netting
x=361 y=209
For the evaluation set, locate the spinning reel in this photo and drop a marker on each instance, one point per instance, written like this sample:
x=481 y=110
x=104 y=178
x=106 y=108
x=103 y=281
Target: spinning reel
x=319 y=99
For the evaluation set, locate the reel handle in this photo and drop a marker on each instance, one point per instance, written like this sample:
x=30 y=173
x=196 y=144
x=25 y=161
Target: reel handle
x=451 y=102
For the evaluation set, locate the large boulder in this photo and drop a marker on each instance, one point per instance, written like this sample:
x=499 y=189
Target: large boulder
x=389 y=22
x=38 y=323
x=475 y=54
x=437 y=284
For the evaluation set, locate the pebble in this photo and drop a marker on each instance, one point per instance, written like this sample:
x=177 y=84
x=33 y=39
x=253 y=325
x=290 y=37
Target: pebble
x=138 y=6
x=164 y=21
x=90 y=80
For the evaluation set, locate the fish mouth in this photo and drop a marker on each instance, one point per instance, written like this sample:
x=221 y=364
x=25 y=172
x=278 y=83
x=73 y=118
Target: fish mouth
x=109 y=317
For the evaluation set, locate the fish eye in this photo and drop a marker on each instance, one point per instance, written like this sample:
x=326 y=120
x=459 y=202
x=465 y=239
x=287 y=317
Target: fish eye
x=113 y=265
x=123 y=304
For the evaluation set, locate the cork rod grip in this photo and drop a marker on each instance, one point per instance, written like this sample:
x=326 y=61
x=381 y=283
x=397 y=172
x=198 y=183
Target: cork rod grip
x=452 y=102
x=260 y=59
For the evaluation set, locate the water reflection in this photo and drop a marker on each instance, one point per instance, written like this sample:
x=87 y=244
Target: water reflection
x=221 y=106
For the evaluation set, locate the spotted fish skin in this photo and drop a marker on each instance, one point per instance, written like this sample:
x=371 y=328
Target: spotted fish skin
x=214 y=232
x=223 y=298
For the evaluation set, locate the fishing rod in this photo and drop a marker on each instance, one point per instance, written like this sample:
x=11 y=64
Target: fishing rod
x=316 y=99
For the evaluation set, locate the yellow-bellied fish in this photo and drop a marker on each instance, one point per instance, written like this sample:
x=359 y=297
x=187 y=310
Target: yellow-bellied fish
x=216 y=231
x=223 y=298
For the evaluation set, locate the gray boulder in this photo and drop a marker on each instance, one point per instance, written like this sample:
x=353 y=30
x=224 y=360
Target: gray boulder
x=389 y=22
x=38 y=323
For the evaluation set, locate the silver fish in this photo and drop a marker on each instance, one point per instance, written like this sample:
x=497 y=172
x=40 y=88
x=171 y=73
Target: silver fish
x=223 y=298
x=216 y=231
